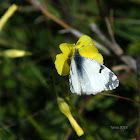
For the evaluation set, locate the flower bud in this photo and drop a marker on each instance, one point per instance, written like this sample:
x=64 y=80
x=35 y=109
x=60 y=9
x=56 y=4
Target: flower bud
x=7 y=15
x=13 y=53
x=64 y=108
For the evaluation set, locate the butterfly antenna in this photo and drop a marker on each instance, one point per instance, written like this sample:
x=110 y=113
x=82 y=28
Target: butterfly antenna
x=85 y=47
x=73 y=50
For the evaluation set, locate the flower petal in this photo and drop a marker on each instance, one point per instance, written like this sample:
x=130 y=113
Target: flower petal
x=61 y=65
x=86 y=41
x=99 y=58
x=66 y=49
x=88 y=49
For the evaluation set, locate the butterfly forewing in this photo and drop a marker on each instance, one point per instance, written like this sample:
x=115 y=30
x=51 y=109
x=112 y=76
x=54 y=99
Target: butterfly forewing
x=101 y=78
x=89 y=76
x=74 y=79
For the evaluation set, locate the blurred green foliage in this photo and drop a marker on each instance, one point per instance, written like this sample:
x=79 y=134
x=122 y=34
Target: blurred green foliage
x=29 y=84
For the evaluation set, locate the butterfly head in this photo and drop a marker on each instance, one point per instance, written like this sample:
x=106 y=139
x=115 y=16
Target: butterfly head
x=76 y=50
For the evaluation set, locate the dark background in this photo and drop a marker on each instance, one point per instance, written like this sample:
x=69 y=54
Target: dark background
x=28 y=85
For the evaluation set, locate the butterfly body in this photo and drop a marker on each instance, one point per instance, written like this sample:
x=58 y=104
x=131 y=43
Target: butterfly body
x=88 y=76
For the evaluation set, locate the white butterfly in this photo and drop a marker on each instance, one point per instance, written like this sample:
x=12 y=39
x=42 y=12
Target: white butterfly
x=88 y=76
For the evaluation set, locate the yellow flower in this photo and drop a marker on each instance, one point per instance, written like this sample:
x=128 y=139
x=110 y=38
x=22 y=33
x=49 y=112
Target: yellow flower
x=86 y=48
x=64 y=108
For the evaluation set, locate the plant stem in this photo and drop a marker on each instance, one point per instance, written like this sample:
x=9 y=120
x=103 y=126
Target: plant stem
x=121 y=97
x=138 y=74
